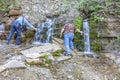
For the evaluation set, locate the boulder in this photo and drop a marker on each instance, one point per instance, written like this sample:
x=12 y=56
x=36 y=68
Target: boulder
x=15 y=11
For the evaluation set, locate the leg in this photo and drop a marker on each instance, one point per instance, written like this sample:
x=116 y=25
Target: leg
x=11 y=34
x=66 y=42
x=71 y=42
x=18 y=29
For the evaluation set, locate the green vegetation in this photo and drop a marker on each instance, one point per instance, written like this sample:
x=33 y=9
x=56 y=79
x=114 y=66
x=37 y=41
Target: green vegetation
x=33 y=63
x=57 y=53
x=95 y=11
x=79 y=22
x=46 y=59
x=5 y=4
x=78 y=39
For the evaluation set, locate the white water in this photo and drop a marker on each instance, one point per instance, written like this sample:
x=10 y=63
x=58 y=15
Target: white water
x=44 y=32
x=2 y=29
x=86 y=29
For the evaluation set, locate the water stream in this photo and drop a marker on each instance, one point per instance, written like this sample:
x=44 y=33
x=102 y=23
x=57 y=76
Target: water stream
x=2 y=29
x=87 y=50
x=44 y=32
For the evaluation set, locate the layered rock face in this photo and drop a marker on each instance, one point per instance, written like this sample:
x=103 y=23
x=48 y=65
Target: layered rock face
x=38 y=10
x=8 y=19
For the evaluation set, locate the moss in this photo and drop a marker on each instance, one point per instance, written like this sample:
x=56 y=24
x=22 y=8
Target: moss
x=29 y=34
x=93 y=34
x=46 y=59
x=33 y=63
x=57 y=53
x=97 y=45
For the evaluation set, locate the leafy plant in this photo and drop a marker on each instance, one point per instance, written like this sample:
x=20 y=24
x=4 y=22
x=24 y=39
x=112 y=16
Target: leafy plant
x=46 y=58
x=78 y=22
x=89 y=7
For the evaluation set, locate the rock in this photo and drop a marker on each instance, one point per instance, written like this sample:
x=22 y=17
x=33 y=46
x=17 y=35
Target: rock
x=34 y=61
x=36 y=73
x=18 y=58
x=38 y=12
x=62 y=58
x=2 y=68
x=39 y=51
x=12 y=64
x=117 y=61
x=32 y=55
x=50 y=57
x=15 y=11
x=15 y=64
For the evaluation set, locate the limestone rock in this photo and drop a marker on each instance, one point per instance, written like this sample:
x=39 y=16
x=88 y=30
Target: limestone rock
x=15 y=64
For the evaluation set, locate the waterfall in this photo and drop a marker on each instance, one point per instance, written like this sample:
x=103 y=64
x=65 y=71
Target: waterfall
x=44 y=32
x=86 y=29
x=2 y=29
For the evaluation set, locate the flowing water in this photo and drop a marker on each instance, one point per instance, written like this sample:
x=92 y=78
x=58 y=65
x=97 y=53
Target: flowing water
x=44 y=32
x=86 y=29
x=2 y=29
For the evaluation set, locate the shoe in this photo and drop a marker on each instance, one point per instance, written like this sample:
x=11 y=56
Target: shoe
x=7 y=43
x=69 y=55
x=91 y=55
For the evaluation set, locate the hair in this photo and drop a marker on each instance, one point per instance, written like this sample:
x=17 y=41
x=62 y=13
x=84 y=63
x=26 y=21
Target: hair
x=70 y=21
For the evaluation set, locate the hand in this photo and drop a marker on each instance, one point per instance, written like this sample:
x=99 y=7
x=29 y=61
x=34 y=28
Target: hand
x=81 y=32
x=35 y=29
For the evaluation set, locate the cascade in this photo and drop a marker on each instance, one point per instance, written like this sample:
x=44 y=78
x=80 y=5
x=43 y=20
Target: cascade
x=2 y=29
x=44 y=32
x=86 y=30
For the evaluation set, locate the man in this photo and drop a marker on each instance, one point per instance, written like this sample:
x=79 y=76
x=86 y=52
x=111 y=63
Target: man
x=16 y=27
x=68 y=30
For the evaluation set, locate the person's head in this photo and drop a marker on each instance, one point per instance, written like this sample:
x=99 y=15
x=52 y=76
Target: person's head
x=70 y=21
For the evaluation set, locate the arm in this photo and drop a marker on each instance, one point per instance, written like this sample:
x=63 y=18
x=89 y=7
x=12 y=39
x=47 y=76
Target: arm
x=28 y=24
x=79 y=31
x=62 y=30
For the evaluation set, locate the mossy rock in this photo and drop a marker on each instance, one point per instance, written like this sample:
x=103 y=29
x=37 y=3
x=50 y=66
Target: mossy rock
x=29 y=34
x=57 y=53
